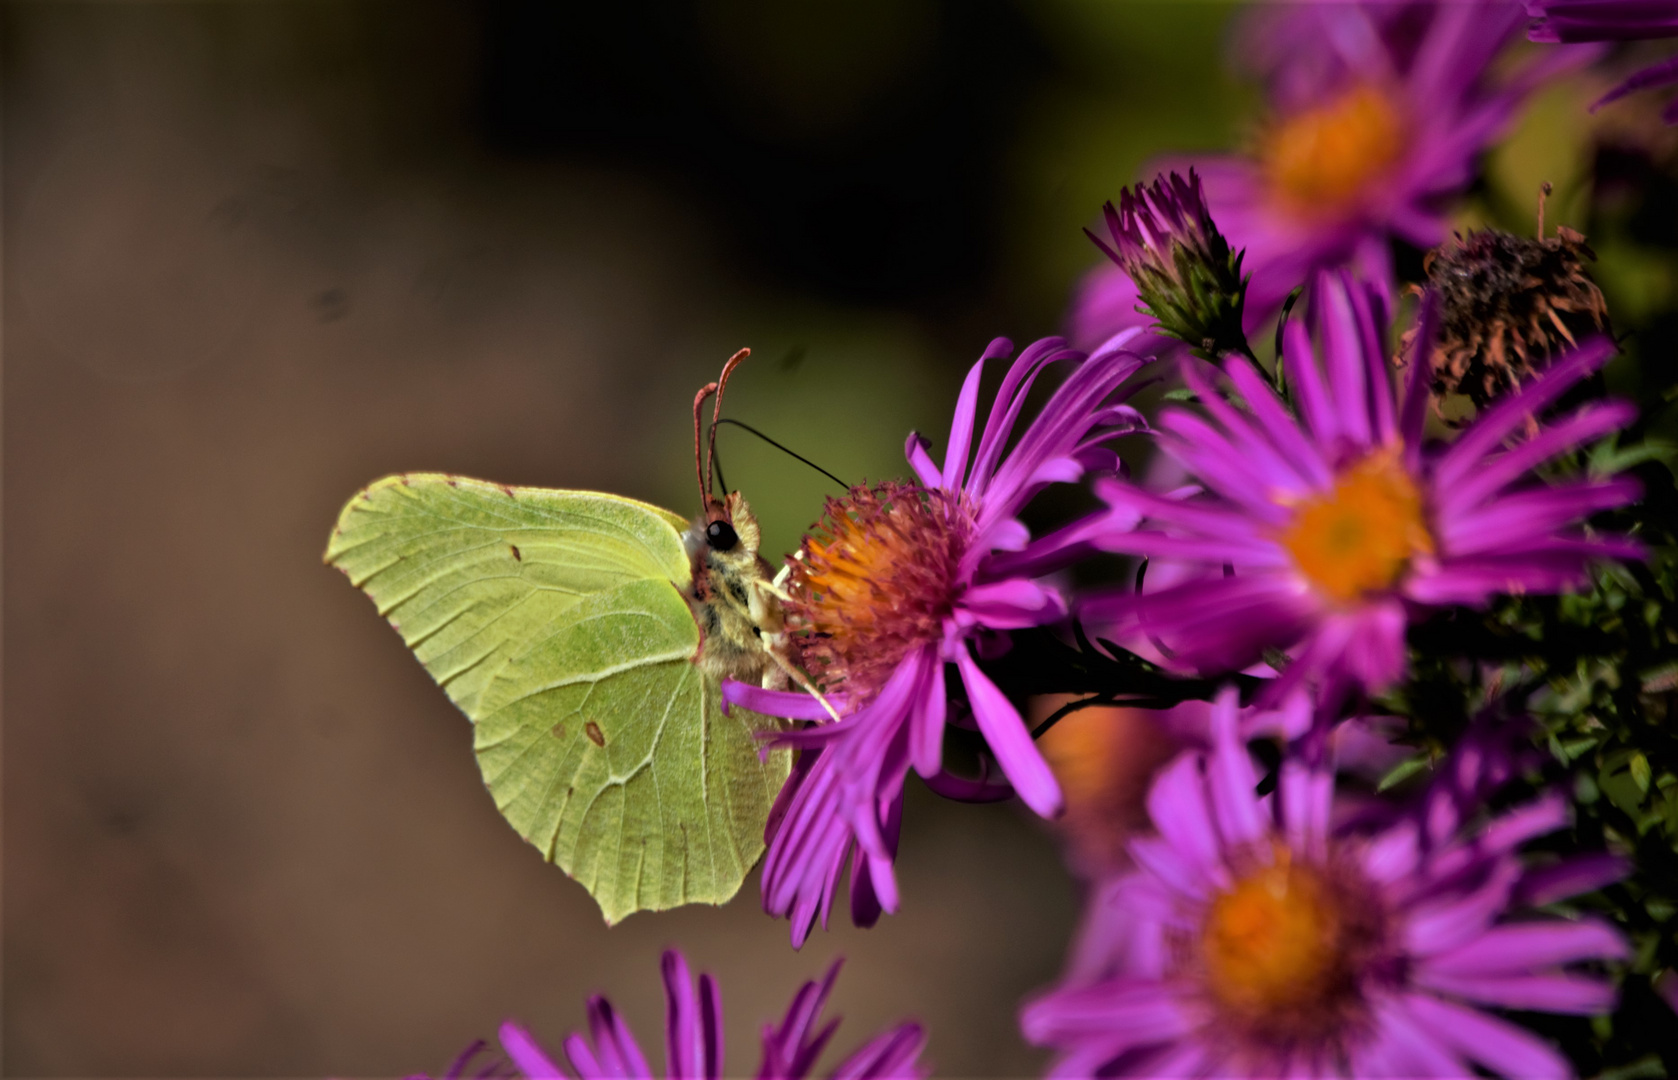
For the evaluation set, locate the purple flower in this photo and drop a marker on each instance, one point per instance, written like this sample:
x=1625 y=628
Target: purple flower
x=1327 y=532
x=1254 y=938
x=693 y=1040
x=898 y=581
x=1612 y=20
x=1379 y=110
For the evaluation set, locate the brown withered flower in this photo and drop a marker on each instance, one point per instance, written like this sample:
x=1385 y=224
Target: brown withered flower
x=1507 y=305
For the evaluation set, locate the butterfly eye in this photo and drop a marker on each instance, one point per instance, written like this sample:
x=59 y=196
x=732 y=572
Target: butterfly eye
x=720 y=535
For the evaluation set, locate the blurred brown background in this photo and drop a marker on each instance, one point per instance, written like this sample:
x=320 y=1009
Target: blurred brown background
x=258 y=254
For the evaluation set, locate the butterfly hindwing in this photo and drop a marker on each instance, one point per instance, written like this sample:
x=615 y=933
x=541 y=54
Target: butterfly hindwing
x=555 y=620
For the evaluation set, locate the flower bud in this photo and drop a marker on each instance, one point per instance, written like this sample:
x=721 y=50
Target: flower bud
x=1186 y=276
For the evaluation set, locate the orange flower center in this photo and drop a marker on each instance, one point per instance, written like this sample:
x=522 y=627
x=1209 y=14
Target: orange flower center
x=1358 y=538
x=1274 y=946
x=1319 y=162
x=873 y=580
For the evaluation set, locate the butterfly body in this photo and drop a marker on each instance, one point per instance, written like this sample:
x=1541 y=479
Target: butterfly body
x=736 y=606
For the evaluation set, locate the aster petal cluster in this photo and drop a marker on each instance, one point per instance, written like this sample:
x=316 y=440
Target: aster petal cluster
x=1379 y=111
x=1255 y=937
x=693 y=1041
x=1322 y=535
x=896 y=586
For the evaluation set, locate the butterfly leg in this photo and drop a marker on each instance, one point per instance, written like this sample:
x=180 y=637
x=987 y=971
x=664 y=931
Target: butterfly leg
x=797 y=677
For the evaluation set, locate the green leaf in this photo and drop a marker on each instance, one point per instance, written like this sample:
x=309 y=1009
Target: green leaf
x=1608 y=456
x=1617 y=779
x=1639 y=768
x=1401 y=772
x=556 y=621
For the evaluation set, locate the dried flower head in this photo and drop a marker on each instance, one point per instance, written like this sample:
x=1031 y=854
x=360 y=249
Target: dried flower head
x=1509 y=304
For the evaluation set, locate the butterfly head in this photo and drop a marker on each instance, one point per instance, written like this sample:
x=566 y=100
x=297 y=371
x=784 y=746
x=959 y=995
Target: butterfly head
x=729 y=531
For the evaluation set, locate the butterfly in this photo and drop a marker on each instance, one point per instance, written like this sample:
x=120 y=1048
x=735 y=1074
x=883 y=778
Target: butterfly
x=585 y=635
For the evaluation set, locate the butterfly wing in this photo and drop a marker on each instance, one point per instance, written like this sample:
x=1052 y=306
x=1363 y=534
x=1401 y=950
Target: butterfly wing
x=554 y=620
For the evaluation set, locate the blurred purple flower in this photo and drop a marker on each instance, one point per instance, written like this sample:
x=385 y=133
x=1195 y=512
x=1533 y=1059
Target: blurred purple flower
x=1613 y=20
x=896 y=583
x=1602 y=20
x=1328 y=532
x=1379 y=111
x=1256 y=939
x=693 y=1040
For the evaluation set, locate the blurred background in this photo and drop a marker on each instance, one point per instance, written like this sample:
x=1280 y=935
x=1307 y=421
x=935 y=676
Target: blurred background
x=259 y=254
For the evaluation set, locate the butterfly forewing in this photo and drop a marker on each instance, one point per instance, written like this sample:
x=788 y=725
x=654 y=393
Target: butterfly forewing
x=554 y=620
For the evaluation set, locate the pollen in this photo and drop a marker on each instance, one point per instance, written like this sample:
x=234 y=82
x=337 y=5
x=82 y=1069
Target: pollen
x=875 y=578
x=1359 y=537
x=1320 y=162
x=1285 y=952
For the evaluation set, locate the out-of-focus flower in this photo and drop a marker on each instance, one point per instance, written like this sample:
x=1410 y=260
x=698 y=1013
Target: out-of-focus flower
x=1165 y=241
x=896 y=582
x=1103 y=758
x=693 y=1040
x=1255 y=939
x=1326 y=532
x=1508 y=304
x=1379 y=110
x=1612 y=20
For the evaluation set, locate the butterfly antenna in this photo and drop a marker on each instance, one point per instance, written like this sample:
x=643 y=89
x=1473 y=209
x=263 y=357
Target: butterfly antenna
x=700 y=464
x=785 y=450
x=716 y=412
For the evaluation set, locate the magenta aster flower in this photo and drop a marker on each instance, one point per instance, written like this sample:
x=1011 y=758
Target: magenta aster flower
x=693 y=1040
x=895 y=583
x=1326 y=533
x=1253 y=938
x=1613 y=20
x=1379 y=110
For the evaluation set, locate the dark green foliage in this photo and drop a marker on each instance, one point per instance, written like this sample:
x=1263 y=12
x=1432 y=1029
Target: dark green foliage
x=1598 y=671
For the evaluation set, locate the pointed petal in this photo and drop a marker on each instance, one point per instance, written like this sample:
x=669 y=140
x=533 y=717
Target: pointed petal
x=1009 y=740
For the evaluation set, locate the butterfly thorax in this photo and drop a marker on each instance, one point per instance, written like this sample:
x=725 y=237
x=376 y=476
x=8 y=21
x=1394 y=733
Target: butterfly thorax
x=732 y=597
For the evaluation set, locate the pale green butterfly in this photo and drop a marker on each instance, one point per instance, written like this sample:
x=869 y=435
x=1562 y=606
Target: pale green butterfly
x=585 y=636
